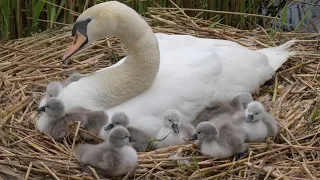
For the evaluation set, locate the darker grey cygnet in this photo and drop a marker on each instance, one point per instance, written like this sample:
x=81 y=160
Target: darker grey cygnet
x=76 y=76
x=92 y=121
x=111 y=158
x=121 y=119
x=220 y=105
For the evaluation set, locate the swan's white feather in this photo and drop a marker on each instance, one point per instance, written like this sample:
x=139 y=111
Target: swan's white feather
x=191 y=70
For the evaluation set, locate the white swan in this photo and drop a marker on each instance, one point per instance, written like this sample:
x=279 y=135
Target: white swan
x=191 y=69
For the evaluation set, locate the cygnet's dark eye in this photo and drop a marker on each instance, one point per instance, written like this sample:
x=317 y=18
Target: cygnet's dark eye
x=199 y=132
x=117 y=123
x=47 y=106
x=169 y=120
x=127 y=136
x=50 y=95
x=257 y=113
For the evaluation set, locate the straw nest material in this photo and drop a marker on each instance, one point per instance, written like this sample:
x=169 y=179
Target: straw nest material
x=28 y=64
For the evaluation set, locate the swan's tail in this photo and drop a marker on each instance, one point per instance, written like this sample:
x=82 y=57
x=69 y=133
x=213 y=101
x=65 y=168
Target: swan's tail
x=278 y=55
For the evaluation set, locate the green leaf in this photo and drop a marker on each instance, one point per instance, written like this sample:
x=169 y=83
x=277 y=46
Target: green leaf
x=36 y=12
x=216 y=22
x=59 y=9
x=305 y=16
x=52 y=16
x=284 y=14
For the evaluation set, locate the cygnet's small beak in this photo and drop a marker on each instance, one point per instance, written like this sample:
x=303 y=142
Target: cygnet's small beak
x=131 y=139
x=175 y=128
x=194 y=137
x=249 y=118
x=110 y=126
x=42 y=109
x=79 y=42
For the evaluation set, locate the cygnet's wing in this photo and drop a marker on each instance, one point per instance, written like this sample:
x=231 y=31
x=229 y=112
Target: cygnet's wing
x=59 y=129
x=142 y=138
x=271 y=123
x=81 y=149
x=96 y=120
x=236 y=138
x=213 y=109
x=188 y=130
x=239 y=117
x=77 y=114
x=107 y=162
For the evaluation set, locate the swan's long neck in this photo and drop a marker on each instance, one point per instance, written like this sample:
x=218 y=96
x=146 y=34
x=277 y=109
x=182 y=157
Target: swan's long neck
x=137 y=73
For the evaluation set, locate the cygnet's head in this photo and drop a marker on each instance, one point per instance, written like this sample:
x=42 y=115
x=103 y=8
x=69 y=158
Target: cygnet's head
x=205 y=131
x=53 y=107
x=100 y=21
x=53 y=89
x=172 y=120
x=119 y=136
x=118 y=119
x=254 y=111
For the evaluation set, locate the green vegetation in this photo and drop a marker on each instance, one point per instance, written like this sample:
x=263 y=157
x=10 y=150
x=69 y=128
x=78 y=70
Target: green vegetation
x=20 y=18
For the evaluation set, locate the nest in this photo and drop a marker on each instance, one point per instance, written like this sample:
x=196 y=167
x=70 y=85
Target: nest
x=28 y=64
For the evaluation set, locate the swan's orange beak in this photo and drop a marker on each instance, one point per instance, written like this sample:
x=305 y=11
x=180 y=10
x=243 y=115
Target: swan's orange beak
x=79 y=42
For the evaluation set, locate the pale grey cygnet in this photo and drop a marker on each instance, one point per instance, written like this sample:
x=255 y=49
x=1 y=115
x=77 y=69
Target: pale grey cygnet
x=257 y=123
x=111 y=158
x=73 y=78
x=121 y=119
x=221 y=139
x=221 y=105
x=92 y=121
x=52 y=121
x=53 y=89
x=174 y=131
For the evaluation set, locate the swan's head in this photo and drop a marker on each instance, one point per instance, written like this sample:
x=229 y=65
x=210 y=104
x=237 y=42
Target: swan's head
x=172 y=120
x=53 y=107
x=100 y=21
x=118 y=119
x=205 y=131
x=119 y=136
x=53 y=89
x=254 y=111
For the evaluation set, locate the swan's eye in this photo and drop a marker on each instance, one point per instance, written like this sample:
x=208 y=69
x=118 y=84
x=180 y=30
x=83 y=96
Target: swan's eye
x=50 y=95
x=127 y=136
x=169 y=120
x=257 y=113
x=198 y=132
x=47 y=106
x=117 y=123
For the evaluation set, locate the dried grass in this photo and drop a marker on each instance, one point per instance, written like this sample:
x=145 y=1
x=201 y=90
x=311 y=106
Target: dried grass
x=28 y=64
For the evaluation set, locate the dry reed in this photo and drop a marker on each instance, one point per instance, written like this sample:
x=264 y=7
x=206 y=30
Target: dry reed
x=28 y=64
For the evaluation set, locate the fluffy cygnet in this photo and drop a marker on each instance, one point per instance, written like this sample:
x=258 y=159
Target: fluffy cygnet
x=174 y=130
x=220 y=140
x=92 y=121
x=219 y=105
x=121 y=119
x=52 y=121
x=257 y=123
x=53 y=89
x=111 y=158
x=73 y=78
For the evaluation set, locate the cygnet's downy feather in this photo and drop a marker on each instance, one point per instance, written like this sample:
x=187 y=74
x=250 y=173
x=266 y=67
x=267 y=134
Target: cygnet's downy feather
x=52 y=121
x=92 y=121
x=111 y=158
x=219 y=138
x=257 y=123
x=220 y=105
x=174 y=131
x=121 y=119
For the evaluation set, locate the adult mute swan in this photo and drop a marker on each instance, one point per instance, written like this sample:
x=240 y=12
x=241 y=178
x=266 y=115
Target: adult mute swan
x=191 y=69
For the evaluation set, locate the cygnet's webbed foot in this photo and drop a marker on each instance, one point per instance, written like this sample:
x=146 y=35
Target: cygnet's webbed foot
x=84 y=168
x=238 y=156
